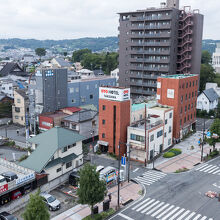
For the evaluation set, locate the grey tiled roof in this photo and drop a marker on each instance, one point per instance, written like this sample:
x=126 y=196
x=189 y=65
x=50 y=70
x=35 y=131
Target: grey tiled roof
x=9 y=68
x=83 y=115
x=211 y=94
x=62 y=62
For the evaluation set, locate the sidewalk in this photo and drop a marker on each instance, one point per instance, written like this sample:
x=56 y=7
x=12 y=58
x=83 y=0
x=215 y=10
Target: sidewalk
x=187 y=159
x=127 y=191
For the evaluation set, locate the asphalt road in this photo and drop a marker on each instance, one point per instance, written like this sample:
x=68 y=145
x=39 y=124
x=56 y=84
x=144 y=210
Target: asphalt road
x=200 y=124
x=182 y=195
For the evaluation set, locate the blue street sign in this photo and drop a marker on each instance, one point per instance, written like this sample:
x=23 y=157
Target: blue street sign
x=198 y=142
x=208 y=134
x=123 y=161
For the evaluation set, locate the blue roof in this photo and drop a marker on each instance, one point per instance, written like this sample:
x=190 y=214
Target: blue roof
x=211 y=94
x=20 y=85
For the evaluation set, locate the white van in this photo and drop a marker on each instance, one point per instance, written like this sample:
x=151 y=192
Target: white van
x=109 y=174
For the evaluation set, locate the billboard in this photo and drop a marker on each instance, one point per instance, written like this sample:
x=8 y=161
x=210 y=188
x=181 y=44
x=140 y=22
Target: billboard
x=114 y=94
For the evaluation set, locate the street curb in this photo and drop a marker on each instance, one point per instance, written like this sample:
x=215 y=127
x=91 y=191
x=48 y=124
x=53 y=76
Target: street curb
x=132 y=203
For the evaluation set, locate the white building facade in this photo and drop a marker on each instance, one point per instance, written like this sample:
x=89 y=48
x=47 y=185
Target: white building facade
x=216 y=59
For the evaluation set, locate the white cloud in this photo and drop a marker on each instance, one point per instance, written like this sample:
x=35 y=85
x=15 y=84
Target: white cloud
x=59 y=19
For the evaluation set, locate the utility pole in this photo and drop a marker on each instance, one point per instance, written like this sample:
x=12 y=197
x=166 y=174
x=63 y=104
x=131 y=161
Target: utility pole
x=145 y=135
x=129 y=152
x=118 y=175
x=203 y=134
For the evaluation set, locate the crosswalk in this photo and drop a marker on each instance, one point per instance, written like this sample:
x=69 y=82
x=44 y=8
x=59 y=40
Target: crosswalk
x=207 y=168
x=165 y=211
x=150 y=177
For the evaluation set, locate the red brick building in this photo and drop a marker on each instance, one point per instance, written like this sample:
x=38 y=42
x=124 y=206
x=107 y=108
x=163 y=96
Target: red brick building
x=114 y=118
x=179 y=91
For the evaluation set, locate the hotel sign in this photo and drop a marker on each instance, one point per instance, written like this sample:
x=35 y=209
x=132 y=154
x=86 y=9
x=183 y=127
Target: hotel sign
x=114 y=94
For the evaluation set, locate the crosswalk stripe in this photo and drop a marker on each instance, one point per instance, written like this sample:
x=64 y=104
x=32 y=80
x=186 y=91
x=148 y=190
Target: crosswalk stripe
x=164 y=212
x=149 y=207
x=170 y=213
x=190 y=216
x=143 y=206
x=203 y=218
x=206 y=170
x=178 y=213
x=140 y=204
x=155 y=208
x=202 y=166
x=125 y=216
x=146 y=179
x=216 y=171
x=197 y=217
x=152 y=177
x=183 y=215
x=213 y=169
x=161 y=209
x=143 y=181
x=157 y=174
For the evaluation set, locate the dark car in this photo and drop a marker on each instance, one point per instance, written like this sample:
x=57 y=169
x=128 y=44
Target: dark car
x=10 y=176
x=7 y=216
x=16 y=194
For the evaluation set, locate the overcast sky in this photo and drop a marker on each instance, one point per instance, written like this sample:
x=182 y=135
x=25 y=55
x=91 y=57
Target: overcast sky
x=68 y=19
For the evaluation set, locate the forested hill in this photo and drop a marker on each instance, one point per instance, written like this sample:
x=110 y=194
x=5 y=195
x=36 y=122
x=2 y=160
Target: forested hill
x=94 y=44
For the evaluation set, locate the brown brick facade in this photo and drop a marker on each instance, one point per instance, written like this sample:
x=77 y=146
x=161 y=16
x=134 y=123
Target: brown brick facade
x=106 y=123
x=184 y=101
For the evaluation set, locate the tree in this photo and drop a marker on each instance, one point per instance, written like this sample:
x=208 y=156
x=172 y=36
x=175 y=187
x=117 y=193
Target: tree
x=36 y=208
x=40 y=52
x=92 y=189
x=206 y=57
x=215 y=127
x=78 y=54
x=207 y=74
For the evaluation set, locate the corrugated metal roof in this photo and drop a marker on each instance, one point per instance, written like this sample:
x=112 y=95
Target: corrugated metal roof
x=211 y=94
x=48 y=143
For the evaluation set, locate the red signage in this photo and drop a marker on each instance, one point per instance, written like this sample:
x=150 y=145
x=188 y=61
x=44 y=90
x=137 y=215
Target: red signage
x=3 y=188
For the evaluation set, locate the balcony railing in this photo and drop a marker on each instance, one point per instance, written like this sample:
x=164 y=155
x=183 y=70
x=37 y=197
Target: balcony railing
x=159 y=35
x=167 y=52
x=161 y=44
x=142 y=60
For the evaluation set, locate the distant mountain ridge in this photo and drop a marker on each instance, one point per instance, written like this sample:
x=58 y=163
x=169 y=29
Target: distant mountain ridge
x=94 y=44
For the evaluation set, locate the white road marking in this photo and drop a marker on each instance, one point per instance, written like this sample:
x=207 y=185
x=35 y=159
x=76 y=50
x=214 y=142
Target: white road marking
x=125 y=216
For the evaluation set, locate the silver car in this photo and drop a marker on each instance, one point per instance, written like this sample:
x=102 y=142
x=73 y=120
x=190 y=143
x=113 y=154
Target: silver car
x=52 y=203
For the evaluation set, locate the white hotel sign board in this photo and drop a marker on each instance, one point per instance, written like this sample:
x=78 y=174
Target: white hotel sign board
x=114 y=94
x=170 y=93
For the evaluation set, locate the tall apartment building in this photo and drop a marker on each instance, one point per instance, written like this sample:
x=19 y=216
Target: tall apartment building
x=216 y=58
x=48 y=90
x=158 y=41
x=180 y=92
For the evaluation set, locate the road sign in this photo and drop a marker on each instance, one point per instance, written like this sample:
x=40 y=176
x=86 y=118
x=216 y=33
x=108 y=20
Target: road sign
x=199 y=142
x=208 y=134
x=123 y=161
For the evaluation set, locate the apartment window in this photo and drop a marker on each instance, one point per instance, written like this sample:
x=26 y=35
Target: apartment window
x=193 y=83
x=192 y=105
x=190 y=84
x=71 y=90
x=195 y=93
x=185 y=108
x=10 y=88
x=64 y=149
x=181 y=99
x=165 y=134
x=169 y=141
x=103 y=107
x=16 y=117
x=191 y=116
x=73 y=101
x=165 y=121
x=189 y=95
x=185 y=120
x=69 y=164
x=22 y=118
x=91 y=96
x=186 y=97
x=151 y=138
x=17 y=109
x=188 y=117
x=186 y=85
x=83 y=99
x=183 y=86
x=192 y=94
x=103 y=135
x=58 y=170
x=189 y=107
x=103 y=122
x=58 y=92
x=169 y=129
x=18 y=100
x=171 y=115
x=159 y=133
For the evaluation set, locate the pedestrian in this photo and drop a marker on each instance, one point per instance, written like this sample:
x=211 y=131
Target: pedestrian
x=110 y=197
x=120 y=199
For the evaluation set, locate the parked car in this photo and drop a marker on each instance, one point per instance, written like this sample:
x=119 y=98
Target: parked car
x=16 y=194
x=7 y=216
x=10 y=176
x=52 y=203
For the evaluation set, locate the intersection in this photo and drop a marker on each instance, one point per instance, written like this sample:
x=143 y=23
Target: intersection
x=177 y=196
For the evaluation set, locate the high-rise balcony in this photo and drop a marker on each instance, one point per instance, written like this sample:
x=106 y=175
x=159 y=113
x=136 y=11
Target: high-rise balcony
x=145 y=60
x=150 y=52
x=153 y=35
x=166 y=26
x=160 y=44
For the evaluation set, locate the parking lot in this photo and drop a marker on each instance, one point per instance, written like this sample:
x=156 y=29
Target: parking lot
x=66 y=201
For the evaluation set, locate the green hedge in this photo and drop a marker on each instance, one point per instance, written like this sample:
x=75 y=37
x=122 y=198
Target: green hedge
x=169 y=155
x=176 y=151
